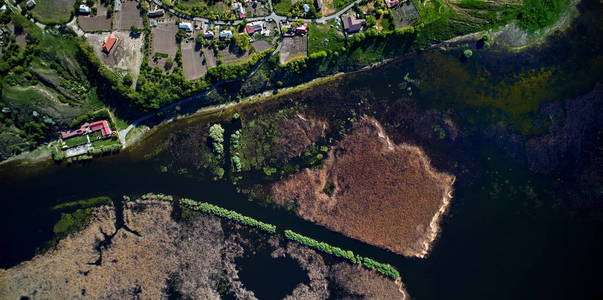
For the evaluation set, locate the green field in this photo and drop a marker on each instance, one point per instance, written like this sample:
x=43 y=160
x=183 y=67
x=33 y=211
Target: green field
x=106 y=142
x=324 y=37
x=53 y=11
x=76 y=140
x=282 y=7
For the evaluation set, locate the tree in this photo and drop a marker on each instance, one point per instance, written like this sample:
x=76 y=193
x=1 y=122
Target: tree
x=127 y=80
x=242 y=41
x=371 y=21
x=181 y=34
x=216 y=133
x=134 y=30
x=467 y=53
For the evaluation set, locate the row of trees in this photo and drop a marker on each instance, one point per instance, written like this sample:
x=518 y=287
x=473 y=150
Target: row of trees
x=382 y=268
x=229 y=214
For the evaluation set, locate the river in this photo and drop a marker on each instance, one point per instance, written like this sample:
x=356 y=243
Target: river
x=498 y=246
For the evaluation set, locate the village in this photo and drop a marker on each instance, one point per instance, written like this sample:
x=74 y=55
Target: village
x=227 y=34
x=179 y=38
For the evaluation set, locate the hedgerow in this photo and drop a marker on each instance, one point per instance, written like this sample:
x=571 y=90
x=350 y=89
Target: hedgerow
x=229 y=214
x=322 y=246
x=382 y=268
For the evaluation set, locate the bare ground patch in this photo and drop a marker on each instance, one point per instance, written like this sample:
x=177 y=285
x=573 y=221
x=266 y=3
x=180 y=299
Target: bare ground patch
x=126 y=55
x=164 y=38
x=293 y=48
x=381 y=193
x=128 y=16
x=191 y=59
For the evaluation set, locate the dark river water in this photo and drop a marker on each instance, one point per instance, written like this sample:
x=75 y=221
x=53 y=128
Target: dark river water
x=489 y=247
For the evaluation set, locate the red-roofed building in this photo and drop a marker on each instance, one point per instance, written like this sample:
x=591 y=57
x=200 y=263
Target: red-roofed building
x=391 y=3
x=102 y=126
x=109 y=43
x=301 y=29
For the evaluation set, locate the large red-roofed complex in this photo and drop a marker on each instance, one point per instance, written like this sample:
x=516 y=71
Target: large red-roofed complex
x=102 y=125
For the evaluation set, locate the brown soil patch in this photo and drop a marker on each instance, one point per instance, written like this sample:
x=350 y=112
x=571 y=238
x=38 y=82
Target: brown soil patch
x=384 y=194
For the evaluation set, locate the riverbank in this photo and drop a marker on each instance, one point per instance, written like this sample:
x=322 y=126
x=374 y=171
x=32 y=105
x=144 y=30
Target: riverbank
x=139 y=255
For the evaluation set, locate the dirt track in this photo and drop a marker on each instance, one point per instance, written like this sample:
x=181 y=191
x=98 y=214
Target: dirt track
x=384 y=194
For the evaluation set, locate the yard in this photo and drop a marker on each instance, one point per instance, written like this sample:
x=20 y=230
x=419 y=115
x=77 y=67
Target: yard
x=164 y=40
x=192 y=61
x=232 y=55
x=76 y=140
x=106 y=142
x=99 y=22
x=128 y=16
x=53 y=11
x=293 y=48
x=405 y=14
x=282 y=7
x=324 y=37
x=126 y=55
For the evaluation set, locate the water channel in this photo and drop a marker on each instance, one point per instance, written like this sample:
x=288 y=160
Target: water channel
x=489 y=247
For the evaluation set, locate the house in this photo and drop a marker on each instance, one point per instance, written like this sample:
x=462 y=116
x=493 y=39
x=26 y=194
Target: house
x=240 y=9
x=351 y=24
x=306 y=8
x=2 y=9
x=253 y=27
x=209 y=34
x=84 y=9
x=226 y=34
x=318 y=4
x=155 y=14
x=302 y=29
x=391 y=3
x=102 y=126
x=30 y=4
x=186 y=26
x=109 y=43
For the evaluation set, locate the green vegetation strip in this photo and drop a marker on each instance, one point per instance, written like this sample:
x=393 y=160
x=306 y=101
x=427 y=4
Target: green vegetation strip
x=229 y=214
x=382 y=268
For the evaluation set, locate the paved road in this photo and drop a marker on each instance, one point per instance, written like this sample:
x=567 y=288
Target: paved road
x=272 y=16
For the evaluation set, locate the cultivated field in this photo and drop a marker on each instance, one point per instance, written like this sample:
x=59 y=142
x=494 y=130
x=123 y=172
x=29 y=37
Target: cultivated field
x=164 y=38
x=232 y=55
x=128 y=16
x=293 y=48
x=373 y=190
x=94 y=24
x=260 y=45
x=191 y=59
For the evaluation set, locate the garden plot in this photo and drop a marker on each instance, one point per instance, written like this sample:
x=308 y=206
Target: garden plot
x=126 y=55
x=293 y=48
x=260 y=45
x=100 y=22
x=405 y=14
x=164 y=40
x=209 y=57
x=128 y=16
x=257 y=8
x=232 y=55
x=192 y=61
